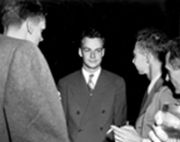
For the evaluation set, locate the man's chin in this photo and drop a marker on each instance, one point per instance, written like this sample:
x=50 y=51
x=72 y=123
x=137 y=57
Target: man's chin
x=141 y=72
x=92 y=67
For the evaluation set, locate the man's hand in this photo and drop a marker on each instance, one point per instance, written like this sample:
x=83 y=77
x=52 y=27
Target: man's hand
x=126 y=134
x=158 y=134
x=167 y=127
x=167 y=119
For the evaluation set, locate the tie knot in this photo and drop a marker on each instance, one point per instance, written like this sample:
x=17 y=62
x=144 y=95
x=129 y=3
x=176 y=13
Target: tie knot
x=91 y=76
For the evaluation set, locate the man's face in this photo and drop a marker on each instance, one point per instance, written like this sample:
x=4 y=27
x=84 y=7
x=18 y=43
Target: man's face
x=92 y=52
x=36 y=31
x=140 y=60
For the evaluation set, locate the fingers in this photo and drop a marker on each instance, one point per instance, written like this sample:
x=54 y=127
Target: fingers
x=167 y=119
x=119 y=134
x=124 y=130
x=119 y=139
x=160 y=133
x=159 y=118
x=125 y=134
x=153 y=137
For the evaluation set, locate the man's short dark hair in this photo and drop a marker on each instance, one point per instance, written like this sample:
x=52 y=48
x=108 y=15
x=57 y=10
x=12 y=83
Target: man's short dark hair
x=92 y=33
x=15 y=12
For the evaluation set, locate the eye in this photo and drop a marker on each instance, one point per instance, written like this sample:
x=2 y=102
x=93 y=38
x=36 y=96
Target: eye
x=99 y=50
x=86 y=50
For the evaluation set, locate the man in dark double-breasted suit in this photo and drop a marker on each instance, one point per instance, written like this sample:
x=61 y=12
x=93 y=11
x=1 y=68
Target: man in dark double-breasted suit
x=93 y=98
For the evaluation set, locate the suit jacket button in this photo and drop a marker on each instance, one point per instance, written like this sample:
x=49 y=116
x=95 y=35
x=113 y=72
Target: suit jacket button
x=103 y=111
x=80 y=130
x=78 y=112
x=101 y=128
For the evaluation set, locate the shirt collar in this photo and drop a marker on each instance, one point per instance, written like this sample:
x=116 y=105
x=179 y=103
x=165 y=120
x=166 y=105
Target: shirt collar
x=95 y=77
x=153 y=81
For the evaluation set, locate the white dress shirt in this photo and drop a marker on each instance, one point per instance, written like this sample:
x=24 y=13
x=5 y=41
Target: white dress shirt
x=96 y=74
x=153 y=81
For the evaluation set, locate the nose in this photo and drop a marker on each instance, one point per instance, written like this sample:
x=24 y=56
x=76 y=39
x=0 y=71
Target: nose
x=93 y=54
x=41 y=39
x=133 y=60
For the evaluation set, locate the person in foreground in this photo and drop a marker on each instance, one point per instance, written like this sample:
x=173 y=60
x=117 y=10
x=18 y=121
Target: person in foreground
x=30 y=110
x=149 y=57
x=93 y=98
x=167 y=120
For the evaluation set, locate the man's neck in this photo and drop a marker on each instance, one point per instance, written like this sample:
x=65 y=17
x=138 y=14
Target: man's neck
x=154 y=75
x=153 y=81
x=16 y=32
x=155 y=70
x=91 y=70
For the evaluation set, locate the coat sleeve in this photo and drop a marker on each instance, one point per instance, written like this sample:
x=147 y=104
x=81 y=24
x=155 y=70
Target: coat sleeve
x=62 y=89
x=120 y=105
x=32 y=107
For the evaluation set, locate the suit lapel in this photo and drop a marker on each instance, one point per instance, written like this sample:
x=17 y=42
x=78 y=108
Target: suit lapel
x=148 y=97
x=101 y=82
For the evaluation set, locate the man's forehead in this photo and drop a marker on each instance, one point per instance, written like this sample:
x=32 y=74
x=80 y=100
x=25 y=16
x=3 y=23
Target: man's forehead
x=92 y=42
x=137 y=49
x=140 y=49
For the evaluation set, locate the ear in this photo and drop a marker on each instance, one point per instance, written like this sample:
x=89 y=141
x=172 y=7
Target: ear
x=29 y=26
x=103 y=52
x=80 y=52
x=148 y=58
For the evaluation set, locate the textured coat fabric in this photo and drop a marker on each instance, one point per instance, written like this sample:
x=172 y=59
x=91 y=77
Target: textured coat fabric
x=30 y=110
x=90 y=114
x=163 y=97
x=148 y=110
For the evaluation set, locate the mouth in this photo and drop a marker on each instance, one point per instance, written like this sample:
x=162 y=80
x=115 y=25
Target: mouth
x=94 y=61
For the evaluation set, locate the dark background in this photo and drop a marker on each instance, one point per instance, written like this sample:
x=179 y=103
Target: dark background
x=118 y=21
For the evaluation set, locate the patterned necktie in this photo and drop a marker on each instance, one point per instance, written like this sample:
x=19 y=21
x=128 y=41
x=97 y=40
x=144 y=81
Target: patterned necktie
x=90 y=82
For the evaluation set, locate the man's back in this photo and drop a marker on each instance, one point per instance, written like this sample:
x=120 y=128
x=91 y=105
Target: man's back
x=30 y=108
